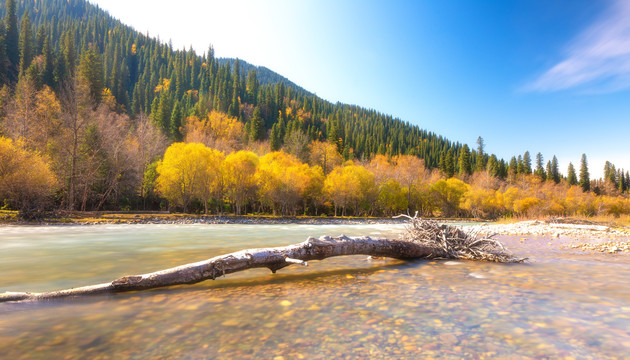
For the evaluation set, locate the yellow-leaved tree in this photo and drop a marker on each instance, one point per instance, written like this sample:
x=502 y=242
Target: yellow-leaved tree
x=283 y=181
x=239 y=171
x=26 y=181
x=190 y=172
x=325 y=155
x=483 y=203
x=351 y=186
x=449 y=194
x=217 y=130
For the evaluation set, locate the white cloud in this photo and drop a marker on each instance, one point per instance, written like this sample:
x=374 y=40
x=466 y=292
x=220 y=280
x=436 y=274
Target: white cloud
x=597 y=60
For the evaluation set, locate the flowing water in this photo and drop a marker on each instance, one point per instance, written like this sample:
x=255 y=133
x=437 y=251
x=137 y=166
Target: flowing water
x=562 y=304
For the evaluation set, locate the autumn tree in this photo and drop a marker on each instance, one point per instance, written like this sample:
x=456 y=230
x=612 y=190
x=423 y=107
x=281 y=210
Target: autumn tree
x=449 y=193
x=217 y=131
x=189 y=172
x=20 y=120
x=239 y=170
x=26 y=180
x=283 y=181
x=392 y=198
x=410 y=173
x=349 y=186
x=296 y=143
x=325 y=155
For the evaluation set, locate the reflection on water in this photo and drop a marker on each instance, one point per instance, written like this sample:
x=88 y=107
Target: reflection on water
x=563 y=304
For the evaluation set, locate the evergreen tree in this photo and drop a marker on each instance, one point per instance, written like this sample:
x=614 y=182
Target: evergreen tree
x=252 y=87
x=25 y=43
x=549 y=171
x=47 y=77
x=610 y=173
x=69 y=56
x=275 y=141
x=571 y=175
x=520 y=166
x=527 y=163
x=513 y=166
x=12 y=38
x=4 y=60
x=162 y=116
x=480 y=164
x=465 y=167
x=257 y=126
x=493 y=166
x=91 y=71
x=540 y=171
x=555 y=170
x=450 y=163
x=176 y=121
x=585 y=181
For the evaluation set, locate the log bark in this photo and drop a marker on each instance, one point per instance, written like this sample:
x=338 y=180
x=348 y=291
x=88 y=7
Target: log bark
x=273 y=258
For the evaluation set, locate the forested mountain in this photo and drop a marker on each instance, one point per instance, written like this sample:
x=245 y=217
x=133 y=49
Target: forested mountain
x=263 y=74
x=136 y=68
x=89 y=106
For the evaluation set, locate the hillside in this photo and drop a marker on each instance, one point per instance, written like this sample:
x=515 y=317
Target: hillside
x=134 y=65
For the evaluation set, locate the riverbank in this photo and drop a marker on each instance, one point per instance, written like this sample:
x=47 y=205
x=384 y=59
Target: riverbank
x=103 y=217
x=569 y=234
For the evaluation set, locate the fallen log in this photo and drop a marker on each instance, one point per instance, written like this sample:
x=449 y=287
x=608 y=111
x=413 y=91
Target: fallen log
x=445 y=242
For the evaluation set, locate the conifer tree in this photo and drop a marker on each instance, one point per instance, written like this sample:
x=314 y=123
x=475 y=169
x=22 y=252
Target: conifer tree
x=481 y=158
x=450 y=163
x=4 y=60
x=527 y=163
x=91 y=71
x=176 y=121
x=465 y=167
x=540 y=171
x=520 y=166
x=25 y=43
x=513 y=166
x=555 y=170
x=275 y=141
x=549 y=171
x=571 y=175
x=257 y=126
x=69 y=55
x=493 y=166
x=585 y=181
x=12 y=37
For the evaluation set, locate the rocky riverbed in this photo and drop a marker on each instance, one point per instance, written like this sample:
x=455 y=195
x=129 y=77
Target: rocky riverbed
x=587 y=237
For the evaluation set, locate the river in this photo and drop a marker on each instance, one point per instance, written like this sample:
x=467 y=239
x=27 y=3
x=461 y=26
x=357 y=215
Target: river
x=563 y=303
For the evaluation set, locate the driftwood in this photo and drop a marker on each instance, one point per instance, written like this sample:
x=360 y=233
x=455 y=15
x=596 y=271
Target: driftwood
x=446 y=242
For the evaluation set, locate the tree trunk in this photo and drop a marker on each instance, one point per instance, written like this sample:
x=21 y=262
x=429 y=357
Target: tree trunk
x=271 y=258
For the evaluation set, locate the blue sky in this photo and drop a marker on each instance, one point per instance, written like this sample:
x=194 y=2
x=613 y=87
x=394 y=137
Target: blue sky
x=544 y=76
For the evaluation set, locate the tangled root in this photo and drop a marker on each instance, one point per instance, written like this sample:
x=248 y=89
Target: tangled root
x=451 y=242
